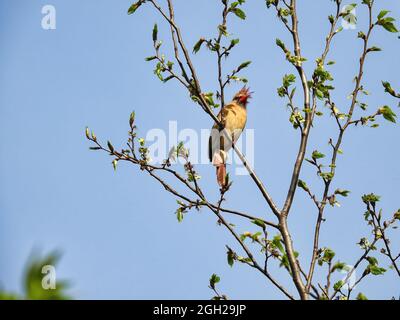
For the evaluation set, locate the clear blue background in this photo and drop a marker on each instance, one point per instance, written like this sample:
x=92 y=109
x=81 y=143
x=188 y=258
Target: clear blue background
x=118 y=231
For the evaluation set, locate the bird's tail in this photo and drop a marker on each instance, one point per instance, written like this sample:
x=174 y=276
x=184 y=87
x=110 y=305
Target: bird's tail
x=221 y=174
x=219 y=161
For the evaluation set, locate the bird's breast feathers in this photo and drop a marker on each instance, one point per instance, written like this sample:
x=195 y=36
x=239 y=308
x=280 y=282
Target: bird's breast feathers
x=234 y=117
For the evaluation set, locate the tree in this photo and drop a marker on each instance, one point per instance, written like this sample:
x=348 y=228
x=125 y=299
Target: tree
x=274 y=236
x=34 y=281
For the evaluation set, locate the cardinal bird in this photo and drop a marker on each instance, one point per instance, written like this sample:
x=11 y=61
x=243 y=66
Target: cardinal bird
x=233 y=117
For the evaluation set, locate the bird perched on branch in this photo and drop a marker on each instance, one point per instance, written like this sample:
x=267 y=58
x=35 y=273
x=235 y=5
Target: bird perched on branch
x=233 y=117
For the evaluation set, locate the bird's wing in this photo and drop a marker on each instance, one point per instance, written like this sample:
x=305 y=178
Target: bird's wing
x=217 y=141
x=213 y=144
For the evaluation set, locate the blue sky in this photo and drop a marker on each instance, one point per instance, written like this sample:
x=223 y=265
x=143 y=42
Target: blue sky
x=117 y=230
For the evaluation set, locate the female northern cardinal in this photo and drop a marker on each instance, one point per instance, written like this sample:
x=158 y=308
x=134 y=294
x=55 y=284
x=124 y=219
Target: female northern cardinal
x=233 y=117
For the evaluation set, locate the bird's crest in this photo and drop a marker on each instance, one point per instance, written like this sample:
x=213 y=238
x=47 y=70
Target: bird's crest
x=243 y=96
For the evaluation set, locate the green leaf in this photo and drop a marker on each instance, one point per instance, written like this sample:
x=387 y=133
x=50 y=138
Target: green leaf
x=382 y=14
x=239 y=13
x=87 y=133
x=155 y=32
x=270 y=3
x=93 y=136
x=389 y=89
x=210 y=100
x=114 y=163
x=134 y=7
x=234 y=42
x=370 y=198
x=302 y=185
x=338 y=285
x=343 y=193
x=179 y=214
x=281 y=92
x=110 y=147
x=198 y=45
x=340 y=29
x=132 y=119
x=338 y=266
x=388 y=24
x=288 y=80
x=361 y=296
x=387 y=113
x=214 y=280
x=372 y=261
x=374 y=49
x=151 y=58
x=259 y=223
x=230 y=256
x=376 y=270
x=243 y=65
x=329 y=254
x=347 y=14
x=328 y=176
x=317 y=155
x=277 y=241
x=280 y=44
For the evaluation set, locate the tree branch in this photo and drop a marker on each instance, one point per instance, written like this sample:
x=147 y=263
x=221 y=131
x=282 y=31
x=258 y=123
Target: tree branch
x=342 y=129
